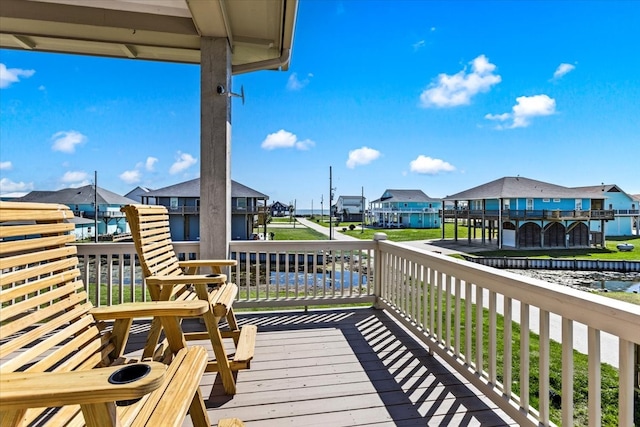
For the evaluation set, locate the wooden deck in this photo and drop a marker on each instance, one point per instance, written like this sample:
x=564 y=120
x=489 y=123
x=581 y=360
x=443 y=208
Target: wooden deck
x=344 y=367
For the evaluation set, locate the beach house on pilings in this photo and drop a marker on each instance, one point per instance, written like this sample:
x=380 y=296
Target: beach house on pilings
x=406 y=209
x=183 y=203
x=524 y=213
x=350 y=208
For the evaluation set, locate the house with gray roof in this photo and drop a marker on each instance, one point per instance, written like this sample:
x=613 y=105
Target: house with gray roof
x=625 y=209
x=526 y=213
x=350 y=208
x=137 y=193
x=406 y=209
x=83 y=201
x=182 y=200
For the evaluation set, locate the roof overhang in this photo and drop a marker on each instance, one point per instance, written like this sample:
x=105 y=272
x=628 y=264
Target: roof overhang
x=260 y=32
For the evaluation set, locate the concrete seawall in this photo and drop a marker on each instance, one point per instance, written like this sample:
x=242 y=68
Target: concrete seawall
x=557 y=264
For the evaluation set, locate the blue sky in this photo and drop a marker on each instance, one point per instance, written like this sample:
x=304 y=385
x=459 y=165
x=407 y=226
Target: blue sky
x=437 y=96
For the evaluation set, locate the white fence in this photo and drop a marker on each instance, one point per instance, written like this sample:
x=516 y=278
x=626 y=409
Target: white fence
x=440 y=299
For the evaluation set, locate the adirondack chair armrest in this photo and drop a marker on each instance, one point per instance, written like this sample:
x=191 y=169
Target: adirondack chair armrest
x=151 y=309
x=208 y=263
x=195 y=279
x=21 y=390
x=215 y=265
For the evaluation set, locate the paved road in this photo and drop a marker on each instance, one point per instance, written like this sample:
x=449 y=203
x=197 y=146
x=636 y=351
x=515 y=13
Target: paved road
x=608 y=342
x=325 y=230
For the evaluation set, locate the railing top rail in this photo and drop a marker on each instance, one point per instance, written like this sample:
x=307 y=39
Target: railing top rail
x=292 y=245
x=616 y=317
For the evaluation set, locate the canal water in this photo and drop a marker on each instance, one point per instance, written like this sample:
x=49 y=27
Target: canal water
x=337 y=280
x=632 y=286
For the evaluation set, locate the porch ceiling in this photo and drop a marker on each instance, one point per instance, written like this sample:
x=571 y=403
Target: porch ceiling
x=260 y=32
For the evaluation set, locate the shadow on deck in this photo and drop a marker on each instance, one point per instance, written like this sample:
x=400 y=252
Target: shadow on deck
x=344 y=367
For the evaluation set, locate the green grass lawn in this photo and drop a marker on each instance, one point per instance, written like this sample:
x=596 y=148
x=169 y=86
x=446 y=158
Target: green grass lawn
x=285 y=219
x=298 y=233
x=115 y=294
x=406 y=234
x=581 y=372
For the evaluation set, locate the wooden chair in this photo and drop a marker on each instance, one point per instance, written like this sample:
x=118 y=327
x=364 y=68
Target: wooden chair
x=61 y=363
x=170 y=279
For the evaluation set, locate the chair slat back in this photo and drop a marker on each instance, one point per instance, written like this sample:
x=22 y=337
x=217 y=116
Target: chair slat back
x=45 y=324
x=152 y=237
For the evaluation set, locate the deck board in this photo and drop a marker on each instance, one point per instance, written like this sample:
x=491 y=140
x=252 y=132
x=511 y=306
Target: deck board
x=343 y=367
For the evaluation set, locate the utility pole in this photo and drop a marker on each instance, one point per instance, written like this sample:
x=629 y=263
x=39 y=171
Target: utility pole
x=95 y=202
x=363 y=209
x=330 y=204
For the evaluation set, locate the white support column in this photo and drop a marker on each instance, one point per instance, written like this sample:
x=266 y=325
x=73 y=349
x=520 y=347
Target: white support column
x=215 y=148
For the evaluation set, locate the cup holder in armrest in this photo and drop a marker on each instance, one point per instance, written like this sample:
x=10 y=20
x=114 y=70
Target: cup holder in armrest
x=128 y=374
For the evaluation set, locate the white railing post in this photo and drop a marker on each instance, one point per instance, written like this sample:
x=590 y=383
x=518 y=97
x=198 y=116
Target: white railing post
x=377 y=260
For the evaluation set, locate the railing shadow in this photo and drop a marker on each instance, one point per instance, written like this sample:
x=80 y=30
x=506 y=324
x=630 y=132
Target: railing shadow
x=415 y=387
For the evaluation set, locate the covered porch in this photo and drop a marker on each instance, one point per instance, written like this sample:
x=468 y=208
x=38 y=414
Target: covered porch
x=432 y=340
x=344 y=367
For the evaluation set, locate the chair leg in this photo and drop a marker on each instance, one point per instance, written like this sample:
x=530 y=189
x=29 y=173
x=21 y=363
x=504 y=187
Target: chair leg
x=198 y=411
x=152 y=339
x=224 y=367
x=233 y=325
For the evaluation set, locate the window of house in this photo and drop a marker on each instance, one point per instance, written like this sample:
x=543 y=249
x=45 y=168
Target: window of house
x=556 y=200
x=173 y=203
x=242 y=203
x=546 y=200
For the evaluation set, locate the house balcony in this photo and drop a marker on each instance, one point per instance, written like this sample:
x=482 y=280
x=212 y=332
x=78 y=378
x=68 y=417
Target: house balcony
x=518 y=214
x=409 y=354
x=247 y=210
x=101 y=214
x=396 y=210
x=183 y=210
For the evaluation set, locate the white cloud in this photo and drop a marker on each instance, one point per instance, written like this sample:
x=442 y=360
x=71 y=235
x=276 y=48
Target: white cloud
x=8 y=76
x=458 y=89
x=131 y=177
x=285 y=139
x=182 y=163
x=562 y=70
x=427 y=165
x=74 y=177
x=501 y=117
x=419 y=44
x=305 y=144
x=362 y=156
x=5 y=166
x=8 y=186
x=150 y=163
x=525 y=109
x=66 y=141
x=293 y=83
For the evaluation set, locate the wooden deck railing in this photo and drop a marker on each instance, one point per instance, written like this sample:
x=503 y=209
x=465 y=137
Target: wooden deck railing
x=444 y=300
x=440 y=299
